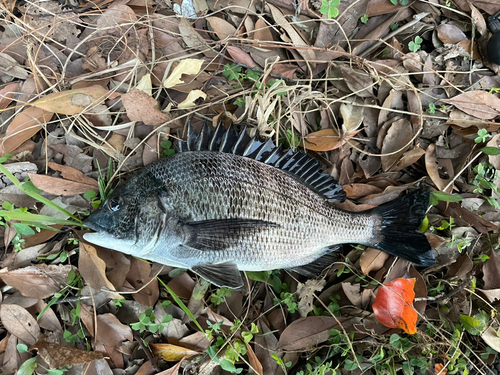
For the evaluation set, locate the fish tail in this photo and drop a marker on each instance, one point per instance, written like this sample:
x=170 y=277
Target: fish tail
x=398 y=234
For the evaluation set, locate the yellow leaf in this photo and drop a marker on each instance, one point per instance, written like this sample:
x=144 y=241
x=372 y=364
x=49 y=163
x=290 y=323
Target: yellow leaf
x=187 y=66
x=72 y=102
x=172 y=353
x=189 y=102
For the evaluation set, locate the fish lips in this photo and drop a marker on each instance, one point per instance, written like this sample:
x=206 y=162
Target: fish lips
x=89 y=223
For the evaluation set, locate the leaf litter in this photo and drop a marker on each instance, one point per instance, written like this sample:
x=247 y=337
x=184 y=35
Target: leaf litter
x=387 y=95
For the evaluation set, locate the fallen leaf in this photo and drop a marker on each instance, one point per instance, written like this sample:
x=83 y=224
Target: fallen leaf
x=396 y=142
x=297 y=41
x=59 y=186
x=58 y=356
x=24 y=126
x=393 y=306
x=20 y=323
x=171 y=353
x=241 y=56
x=491 y=271
x=9 y=66
x=93 y=268
x=222 y=28
x=307 y=332
x=73 y=174
x=146 y=286
x=477 y=103
x=72 y=102
x=7 y=94
x=141 y=107
x=322 y=140
x=372 y=260
x=305 y=295
x=40 y=281
x=186 y=66
x=189 y=102
x=254 y=361
x=491 y=337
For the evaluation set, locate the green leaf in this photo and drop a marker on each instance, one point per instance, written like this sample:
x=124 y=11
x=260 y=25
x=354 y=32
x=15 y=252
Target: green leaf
x=228 y=366
x=445 y=197
x=28 y=367
x=89 y=194
x=55 y=372
x=23 y=229
x=258 y=275
x=22 y=348
x=491 y=150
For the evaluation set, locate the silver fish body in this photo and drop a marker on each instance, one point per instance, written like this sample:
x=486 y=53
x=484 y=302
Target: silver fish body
x=219 y=213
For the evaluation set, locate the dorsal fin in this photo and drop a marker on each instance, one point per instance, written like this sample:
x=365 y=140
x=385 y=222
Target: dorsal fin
x=299 y=165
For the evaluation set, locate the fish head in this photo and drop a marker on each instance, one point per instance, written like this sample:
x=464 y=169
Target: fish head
x=130 y=218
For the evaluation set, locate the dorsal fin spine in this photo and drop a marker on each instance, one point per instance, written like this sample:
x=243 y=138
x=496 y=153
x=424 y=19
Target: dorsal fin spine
x=298 y=164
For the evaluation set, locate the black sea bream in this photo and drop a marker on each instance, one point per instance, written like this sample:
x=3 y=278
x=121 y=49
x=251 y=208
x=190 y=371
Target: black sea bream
x=226 y=203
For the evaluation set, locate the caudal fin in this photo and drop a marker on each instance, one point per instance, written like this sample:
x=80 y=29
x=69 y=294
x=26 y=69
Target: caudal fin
x=398 y=234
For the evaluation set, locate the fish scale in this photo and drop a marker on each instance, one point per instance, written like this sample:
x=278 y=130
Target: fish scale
x=228 y=203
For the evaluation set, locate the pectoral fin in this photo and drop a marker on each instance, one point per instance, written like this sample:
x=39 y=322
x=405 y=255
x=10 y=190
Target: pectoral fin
x=222 y=274
x=222 y=234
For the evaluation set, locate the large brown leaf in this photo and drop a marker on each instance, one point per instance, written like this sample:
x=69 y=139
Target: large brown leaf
x=477 y=103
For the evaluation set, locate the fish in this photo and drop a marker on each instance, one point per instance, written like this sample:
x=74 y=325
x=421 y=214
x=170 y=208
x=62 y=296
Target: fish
x=226 y=202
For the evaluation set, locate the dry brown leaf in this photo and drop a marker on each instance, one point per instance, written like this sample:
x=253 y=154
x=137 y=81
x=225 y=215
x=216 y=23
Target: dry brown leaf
x=58 y=356
x=222 y=28
x=372 y=260
x=59 y=186
x=194 y=40
x=262 y=31
x=477 y=103
x=432 y=164
x=356 y=191
x=358 y=82
x=10 y=67
x=72 y=102
x=305 y=295
x=254 y=361
x=117 y=264
x=396 y=142
x=266 y=344
x=302 y=47
x=172 y=370
x=139 y=277
x=141 y=107
x=478 y=20
x=93 y=268
x=24 y=126
x=307 y=332
x=40 y=281
x=450 y=34
x=73 y=174
x=241 y=56
x=322 y=140
x=20 y=323
x=48 y=320
x=491 y=270
x=7 y=94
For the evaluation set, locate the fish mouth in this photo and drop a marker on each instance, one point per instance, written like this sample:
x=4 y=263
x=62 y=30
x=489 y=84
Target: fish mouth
x=89 y=223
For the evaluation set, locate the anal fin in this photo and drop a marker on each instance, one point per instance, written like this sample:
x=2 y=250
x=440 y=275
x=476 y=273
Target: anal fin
x=222 y=274
x=315 y=268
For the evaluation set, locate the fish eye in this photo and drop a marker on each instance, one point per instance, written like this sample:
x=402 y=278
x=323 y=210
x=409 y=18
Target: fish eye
x=115 y=203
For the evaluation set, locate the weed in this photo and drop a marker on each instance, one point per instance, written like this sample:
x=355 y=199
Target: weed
x=329 y=7
x=281 y=363
x=220 y=296
x=432 y=108
x=364 y=19
x=482 y=136
x=147 y=321
x=402 y=2
x=167 y=148
x=287 y=299
x=415 y=44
